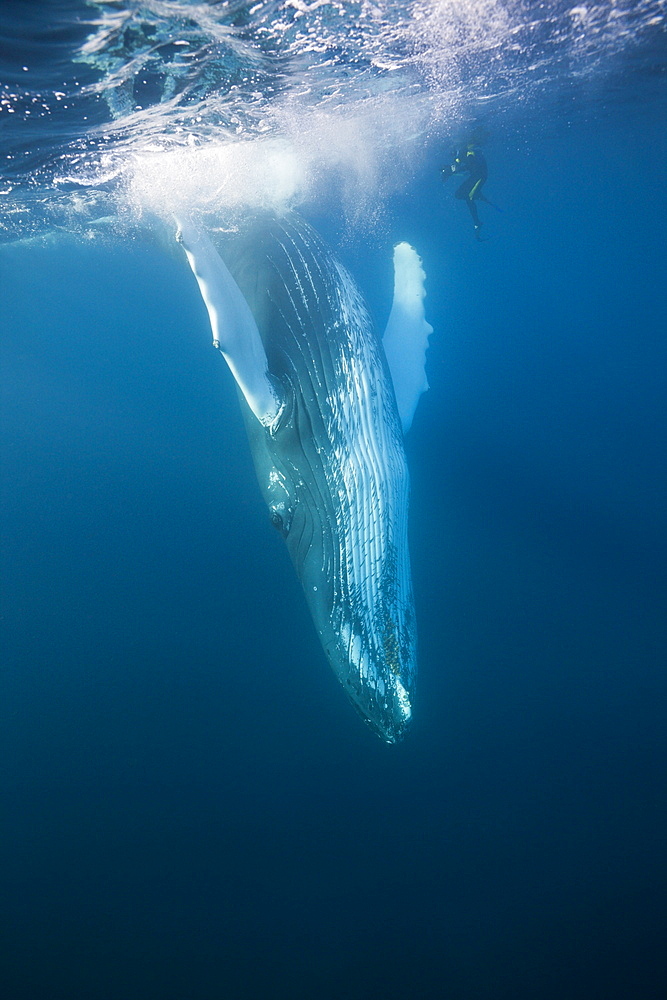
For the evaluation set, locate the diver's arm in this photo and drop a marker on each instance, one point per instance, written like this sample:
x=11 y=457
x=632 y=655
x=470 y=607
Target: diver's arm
x=459 y=166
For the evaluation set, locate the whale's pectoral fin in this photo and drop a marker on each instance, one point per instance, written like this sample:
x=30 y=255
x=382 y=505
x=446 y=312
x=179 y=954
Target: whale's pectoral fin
x=405 y=339
x=233 y=325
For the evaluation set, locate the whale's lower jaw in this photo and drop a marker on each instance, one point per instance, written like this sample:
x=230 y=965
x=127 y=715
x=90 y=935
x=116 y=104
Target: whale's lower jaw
x=375 y=664
x=373 y=654
x=348 y=543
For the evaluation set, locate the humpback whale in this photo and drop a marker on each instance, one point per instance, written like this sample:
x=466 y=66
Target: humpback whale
x=326 y=403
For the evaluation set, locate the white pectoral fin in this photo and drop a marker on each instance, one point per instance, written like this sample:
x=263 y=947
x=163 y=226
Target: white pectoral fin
x=405 y=339
x=233 y=325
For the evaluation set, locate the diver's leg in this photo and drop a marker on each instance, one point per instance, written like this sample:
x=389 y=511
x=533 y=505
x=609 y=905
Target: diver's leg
x=473 y=211
x=463 y=191
x=475 y=192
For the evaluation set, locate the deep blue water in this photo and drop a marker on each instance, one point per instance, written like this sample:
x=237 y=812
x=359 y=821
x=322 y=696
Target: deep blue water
x=190 y=808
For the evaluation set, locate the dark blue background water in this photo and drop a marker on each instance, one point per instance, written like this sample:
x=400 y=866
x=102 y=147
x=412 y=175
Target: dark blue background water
x=191 y=809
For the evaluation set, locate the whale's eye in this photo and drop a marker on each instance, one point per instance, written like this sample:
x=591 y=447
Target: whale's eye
x=276 y=520
x=281 y=519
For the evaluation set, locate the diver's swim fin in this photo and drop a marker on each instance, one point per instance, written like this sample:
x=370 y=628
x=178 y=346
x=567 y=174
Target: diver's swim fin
x=487 y=202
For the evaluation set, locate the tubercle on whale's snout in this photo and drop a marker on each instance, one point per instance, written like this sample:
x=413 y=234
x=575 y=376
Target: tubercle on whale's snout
x=388 y=714
x=376 y=674
x=391 y=732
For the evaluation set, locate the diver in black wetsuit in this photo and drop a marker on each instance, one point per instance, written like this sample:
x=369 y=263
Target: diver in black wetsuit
x=471 y=161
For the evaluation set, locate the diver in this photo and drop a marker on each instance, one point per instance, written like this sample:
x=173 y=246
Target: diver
x=469 y=160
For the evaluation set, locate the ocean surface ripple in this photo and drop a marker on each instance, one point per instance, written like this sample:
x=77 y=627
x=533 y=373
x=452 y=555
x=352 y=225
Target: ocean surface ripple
x=275 y=96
